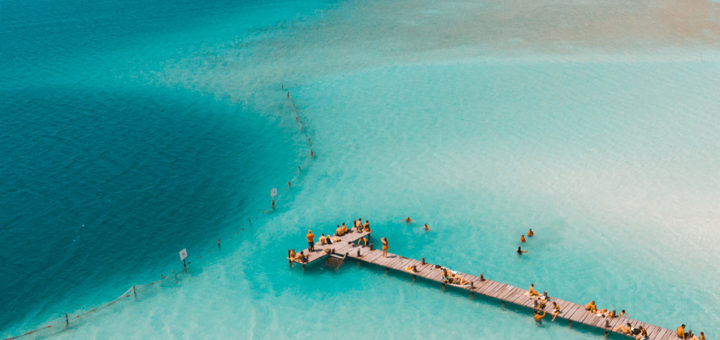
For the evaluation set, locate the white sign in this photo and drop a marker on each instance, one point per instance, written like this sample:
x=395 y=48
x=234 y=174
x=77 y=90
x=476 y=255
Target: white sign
x=183 y=254
x=273 y=192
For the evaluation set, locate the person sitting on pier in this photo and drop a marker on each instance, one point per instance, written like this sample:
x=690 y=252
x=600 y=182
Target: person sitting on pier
x=359 y=224
x=445 y=276
x=366 y=227
x=322 y=239
x=411 y=269
x=344 y=229
x=556 y=311
x=530 y=232
x=538 y=317
x=520 y=251
x=364 y=240
x=311 y=240
x=602 y=312
x=545 y=297
x=681 y=331
x=292 y=255
x=623 y=313
x=532 y=291
x=612 y=314
x=459 y=280
x=643 y=334
x=591 y=307
x=338 y=231
x=624 y=329
x=301 y=258
x=541 y=304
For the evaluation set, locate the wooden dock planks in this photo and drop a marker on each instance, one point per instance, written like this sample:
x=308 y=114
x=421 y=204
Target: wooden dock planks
x=568 y=310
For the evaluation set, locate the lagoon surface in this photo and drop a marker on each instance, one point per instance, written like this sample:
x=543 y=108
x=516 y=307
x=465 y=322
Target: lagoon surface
x=133 y=130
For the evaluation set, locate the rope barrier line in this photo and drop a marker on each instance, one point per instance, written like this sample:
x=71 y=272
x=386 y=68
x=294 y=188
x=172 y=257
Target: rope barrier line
x=60 y=324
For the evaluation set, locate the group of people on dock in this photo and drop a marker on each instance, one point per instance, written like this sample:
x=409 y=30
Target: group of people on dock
x=639 y=333
x=341 y=230
x=681 y=334
x=452 y=277
x=539 y=304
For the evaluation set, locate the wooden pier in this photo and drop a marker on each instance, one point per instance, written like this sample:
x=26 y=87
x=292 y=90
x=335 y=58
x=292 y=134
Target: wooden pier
x=572 y=312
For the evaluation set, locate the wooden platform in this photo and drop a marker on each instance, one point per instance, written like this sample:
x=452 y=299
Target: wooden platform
x=340 y=247
x=570 y=311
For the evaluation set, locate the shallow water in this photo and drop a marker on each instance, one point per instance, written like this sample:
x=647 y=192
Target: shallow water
x=610 y=157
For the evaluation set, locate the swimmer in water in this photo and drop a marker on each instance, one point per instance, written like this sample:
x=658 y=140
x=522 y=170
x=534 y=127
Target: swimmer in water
x=530 y=233
x=520 y=251
x=522 y=238
x=409 y=220
x=538 y=317
x=426 y=227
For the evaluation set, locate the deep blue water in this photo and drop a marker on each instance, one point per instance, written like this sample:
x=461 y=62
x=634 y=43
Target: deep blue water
x=97 y=185
x=104 y=176
x=130 y=130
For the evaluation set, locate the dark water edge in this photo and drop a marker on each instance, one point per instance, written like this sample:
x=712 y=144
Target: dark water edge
x=99 y=186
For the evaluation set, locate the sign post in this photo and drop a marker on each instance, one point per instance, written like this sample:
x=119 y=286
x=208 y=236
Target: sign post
x=273 y=193
x=183 y=255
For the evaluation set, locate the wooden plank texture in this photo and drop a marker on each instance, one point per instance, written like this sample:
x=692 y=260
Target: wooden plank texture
x=518 y=296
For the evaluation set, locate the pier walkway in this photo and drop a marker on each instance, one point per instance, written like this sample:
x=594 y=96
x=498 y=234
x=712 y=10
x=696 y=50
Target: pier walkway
x=572 y=312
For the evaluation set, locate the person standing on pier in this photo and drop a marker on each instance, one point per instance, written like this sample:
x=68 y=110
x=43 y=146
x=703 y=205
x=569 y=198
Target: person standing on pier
x=385 y=246
x=311 y=240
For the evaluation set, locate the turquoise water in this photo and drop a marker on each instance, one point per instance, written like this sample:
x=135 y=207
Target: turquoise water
x=162 y=129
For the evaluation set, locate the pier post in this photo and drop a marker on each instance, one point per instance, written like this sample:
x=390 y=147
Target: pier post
x=472 y=295
x=67 y=321
x=371 y=247
x=386 y=270
x=443 y=286
x=503 y=304
x=414 y=278
x=219 y=245
x=570 y=323
x=482 y=278
x=134 y=292
x=423 y=261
